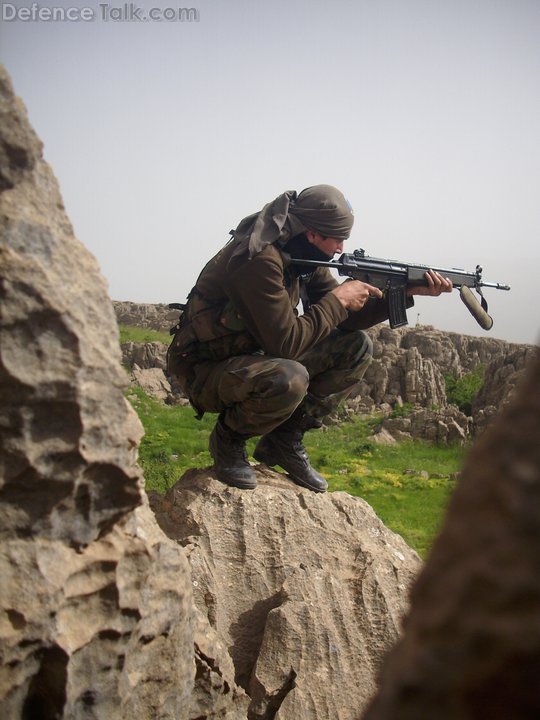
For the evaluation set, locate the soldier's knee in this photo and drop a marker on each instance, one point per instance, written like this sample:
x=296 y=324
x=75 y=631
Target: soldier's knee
x=290 y=379
x=365 y=345
x=357 y=348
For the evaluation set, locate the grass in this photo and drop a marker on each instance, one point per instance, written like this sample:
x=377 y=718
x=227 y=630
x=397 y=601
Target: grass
x=174 y=440
x=410 y=503
x=407 y=484
x=129 y=333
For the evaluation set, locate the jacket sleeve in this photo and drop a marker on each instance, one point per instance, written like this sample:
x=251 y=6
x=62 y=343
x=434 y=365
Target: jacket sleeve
x=257 y=289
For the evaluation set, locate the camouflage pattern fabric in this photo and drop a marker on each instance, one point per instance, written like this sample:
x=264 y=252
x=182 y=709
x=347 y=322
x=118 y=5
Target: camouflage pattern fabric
x=257 y=393
x=335 y=365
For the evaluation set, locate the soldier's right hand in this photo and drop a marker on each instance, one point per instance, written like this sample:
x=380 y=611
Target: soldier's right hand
x=354 y=294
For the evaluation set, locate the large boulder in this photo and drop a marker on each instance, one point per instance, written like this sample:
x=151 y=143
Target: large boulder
x=153 y=382
x=96 y=612
x=306 y=591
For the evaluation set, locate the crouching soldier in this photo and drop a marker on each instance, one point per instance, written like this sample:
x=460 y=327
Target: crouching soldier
x=243 y=351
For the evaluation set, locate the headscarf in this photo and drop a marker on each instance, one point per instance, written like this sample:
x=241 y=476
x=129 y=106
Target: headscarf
x=321 y=208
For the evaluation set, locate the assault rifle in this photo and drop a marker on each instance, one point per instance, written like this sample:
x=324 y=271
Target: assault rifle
x=393 y=277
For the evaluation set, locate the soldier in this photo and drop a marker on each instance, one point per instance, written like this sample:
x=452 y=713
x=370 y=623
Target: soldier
x=242 y=350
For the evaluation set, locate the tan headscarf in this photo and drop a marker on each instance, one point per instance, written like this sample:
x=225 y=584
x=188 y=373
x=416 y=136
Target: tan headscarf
x=322 y=208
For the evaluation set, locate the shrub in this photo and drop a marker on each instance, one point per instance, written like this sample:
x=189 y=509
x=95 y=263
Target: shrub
x=461 y=391
x=402 y=410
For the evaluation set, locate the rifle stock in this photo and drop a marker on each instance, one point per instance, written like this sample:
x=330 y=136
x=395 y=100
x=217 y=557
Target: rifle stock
x=393 y=277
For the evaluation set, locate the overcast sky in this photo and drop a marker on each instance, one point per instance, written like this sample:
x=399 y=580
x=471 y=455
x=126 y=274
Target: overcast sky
x=164 y=134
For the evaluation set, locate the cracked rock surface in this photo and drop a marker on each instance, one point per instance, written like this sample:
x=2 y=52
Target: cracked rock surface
x=304 y=591
x=95 y=601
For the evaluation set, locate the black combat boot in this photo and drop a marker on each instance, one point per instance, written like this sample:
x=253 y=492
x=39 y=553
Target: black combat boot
x=283 y=446
x=228 y=448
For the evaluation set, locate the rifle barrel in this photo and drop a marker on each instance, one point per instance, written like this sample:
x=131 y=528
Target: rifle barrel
x=413 y=271
x=497 y=286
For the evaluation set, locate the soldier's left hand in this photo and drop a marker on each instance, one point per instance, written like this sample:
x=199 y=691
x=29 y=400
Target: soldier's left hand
x=437 y=284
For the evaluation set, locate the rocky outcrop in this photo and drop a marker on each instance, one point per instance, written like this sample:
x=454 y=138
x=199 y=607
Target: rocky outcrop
x=306 y=591
x=410 y=363
x=145 y=315
x=445 y=426
x=153 y=382
x=147 y=364
x=95 y=601
x=406 y=378
x=145 y=355
x=502 y=377
x=471 y=646
x=452 y=352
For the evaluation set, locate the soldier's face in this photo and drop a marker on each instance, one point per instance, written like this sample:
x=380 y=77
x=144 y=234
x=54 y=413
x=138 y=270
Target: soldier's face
x=329 y=246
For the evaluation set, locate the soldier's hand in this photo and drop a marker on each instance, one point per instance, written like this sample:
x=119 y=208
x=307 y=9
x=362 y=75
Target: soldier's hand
x=354 y=294
x=437 y=284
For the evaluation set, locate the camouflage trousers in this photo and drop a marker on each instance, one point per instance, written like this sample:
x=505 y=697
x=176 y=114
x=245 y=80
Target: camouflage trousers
x=257 y=393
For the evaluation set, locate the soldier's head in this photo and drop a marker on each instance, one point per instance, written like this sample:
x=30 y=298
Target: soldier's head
x=327 y=215
x=321 y=212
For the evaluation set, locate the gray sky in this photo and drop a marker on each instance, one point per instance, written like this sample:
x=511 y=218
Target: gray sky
x=425 y=113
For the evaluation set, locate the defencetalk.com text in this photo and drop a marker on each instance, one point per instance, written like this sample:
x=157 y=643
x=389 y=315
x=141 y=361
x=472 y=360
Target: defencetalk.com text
x=126 y=12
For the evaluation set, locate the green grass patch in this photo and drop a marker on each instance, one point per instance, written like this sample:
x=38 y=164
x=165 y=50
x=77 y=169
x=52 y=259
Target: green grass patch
x=411 y=504
x=174 y=440
x=407 y=484
x=142 y=335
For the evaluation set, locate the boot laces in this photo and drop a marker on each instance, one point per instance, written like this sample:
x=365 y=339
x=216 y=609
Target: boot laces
x=298 y=445
x=238 y=449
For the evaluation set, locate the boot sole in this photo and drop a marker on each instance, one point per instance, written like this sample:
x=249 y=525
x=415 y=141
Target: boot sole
x=236 y=483
x=297 y=481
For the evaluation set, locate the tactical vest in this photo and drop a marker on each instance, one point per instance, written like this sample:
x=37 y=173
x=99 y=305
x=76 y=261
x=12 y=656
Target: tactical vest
x=206 y=332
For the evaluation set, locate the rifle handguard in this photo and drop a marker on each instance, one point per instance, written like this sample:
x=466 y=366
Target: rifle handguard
x=477 y=311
